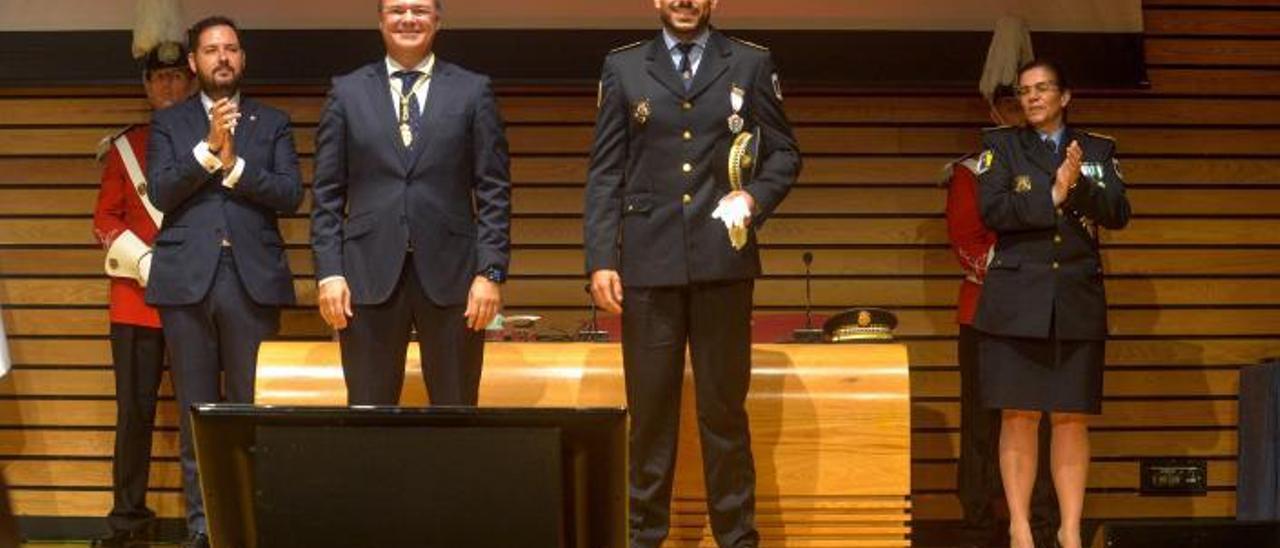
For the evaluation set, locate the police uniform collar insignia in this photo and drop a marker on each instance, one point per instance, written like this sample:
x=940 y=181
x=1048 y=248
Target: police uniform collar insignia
x=985 y=161
x=641 y=111
x=737 y=97
x=1022 y=184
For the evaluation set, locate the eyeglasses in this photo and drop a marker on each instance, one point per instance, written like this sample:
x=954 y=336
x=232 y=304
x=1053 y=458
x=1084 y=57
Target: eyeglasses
x=420 y=12
x=1042 y=87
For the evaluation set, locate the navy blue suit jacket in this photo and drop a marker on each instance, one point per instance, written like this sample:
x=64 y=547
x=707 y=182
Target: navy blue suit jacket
x=200 y=212
x=449 y=195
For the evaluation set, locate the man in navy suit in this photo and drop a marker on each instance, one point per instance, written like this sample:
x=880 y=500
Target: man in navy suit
x=411 y=219
x=221 y=167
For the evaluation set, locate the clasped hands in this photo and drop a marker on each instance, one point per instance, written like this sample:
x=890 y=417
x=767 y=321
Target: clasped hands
x=223 y=117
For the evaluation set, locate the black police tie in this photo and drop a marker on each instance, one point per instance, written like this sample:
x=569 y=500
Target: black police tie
x=686 y=64
x=409 y=113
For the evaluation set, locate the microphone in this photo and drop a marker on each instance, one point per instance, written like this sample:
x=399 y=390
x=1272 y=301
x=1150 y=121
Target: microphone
x=807 y=334
x=591 y=331
x=808 y=291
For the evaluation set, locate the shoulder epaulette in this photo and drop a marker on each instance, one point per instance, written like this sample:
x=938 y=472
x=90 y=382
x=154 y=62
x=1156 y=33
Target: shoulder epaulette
x=970 y=161
x=1100 y=136
x=626 y=47
x=105 y=144
x=998 y=128
x=749 y=44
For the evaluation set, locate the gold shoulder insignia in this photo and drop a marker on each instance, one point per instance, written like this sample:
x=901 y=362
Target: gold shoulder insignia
x=749 y=44
x=105 y=144
x=1100 y=136
x=626 y=47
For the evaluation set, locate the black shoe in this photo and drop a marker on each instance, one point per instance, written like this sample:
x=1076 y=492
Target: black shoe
x=124 y=539
x=196 y=540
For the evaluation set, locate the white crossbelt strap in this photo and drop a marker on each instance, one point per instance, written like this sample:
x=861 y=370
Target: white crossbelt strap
x=139 y=180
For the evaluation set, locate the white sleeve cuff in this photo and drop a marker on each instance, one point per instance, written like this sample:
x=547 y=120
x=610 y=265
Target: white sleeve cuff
x=234 y=177
x=206 y=159
x=331 y=279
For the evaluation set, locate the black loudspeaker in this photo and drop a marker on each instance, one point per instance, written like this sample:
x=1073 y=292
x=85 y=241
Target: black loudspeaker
x=1188 y=534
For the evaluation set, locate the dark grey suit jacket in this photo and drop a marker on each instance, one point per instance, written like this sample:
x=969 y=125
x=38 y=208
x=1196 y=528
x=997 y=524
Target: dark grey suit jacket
x=449 y=196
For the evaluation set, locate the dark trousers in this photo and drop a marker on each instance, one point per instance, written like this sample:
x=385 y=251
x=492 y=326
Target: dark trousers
x=714 y=320
x=213 y=348
x=137 y=354
x=978 y=472
x=375 y=340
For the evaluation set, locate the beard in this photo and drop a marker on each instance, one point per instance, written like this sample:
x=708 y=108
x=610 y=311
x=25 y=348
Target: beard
x=668 y=18
x=210 y=85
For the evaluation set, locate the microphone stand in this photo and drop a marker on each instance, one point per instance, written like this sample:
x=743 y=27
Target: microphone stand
x=591 y=332
x=807 y=334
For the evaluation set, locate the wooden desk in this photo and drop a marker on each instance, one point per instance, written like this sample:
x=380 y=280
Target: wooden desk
x=830 y=427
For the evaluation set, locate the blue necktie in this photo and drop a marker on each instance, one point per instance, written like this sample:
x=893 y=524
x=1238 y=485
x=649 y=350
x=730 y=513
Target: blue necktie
x=1051 y=145
x=409 y=101
x=686 y=64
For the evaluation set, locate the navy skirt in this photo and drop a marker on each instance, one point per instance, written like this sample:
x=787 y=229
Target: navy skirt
x=1041 y=374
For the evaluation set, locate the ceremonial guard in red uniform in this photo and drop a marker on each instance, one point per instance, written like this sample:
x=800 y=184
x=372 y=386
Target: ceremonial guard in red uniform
x=126 y=223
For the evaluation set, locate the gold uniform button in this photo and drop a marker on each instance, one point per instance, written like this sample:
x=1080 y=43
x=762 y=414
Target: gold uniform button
x=687 y=105
x=1055 y=265
x=1057 y=238
x=687 y=167
x=1059 y=212
x=687 y=199
x=688 y=135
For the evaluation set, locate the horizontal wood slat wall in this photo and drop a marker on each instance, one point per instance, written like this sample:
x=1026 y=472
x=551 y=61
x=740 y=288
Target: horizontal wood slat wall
x=1194 y=284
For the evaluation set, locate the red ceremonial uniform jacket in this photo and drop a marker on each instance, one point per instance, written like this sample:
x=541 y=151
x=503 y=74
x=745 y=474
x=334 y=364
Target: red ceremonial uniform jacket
x=971 y=241
x=120 y=208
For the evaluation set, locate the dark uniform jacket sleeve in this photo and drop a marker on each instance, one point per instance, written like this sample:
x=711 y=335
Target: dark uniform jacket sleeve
x=603 y=208
x=780 y=163
x=1004 y=209
x=1104 y=200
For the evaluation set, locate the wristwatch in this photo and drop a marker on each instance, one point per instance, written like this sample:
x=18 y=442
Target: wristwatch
x=495 y=274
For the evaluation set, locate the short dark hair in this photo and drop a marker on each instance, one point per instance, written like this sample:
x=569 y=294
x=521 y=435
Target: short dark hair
x=193 y=35
x=1050 y=65
x=439 y=5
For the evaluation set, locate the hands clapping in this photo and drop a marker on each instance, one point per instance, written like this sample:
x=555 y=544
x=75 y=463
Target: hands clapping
x=1068 y=173
x=224 y=115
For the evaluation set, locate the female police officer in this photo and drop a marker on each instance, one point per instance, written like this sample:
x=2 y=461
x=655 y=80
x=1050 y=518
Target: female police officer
x=1045 y=188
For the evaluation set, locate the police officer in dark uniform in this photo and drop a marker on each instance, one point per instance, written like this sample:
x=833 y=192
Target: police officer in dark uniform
x=670 y=109
x=1045 y=189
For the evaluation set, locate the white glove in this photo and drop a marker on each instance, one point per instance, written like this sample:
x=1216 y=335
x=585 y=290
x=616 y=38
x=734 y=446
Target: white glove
x=734 y=212
x=144 y=269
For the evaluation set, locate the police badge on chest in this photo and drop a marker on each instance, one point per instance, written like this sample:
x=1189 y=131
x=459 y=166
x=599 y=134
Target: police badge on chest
x=640 y=111
x=737 y=97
